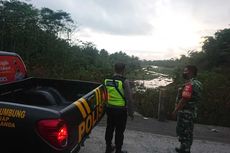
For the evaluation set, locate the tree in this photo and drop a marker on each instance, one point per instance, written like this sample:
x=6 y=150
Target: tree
x=217 y=48
x=16 y=20
x=55 y=21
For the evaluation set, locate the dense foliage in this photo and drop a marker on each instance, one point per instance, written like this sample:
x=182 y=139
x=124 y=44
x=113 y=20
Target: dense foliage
x=41 y=37
x=213 y=64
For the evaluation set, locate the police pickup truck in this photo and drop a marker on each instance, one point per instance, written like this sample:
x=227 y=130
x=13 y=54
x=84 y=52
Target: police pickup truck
x=40 y=115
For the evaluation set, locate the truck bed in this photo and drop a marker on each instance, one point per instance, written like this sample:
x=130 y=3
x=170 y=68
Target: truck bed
x=24 y=104
x=26 y=91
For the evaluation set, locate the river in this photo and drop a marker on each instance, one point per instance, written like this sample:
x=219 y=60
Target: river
x=159 y=80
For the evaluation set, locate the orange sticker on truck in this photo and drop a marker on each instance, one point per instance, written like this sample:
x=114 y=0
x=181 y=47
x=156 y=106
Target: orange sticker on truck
x=15 y=113
x=90 y=116
x=86 y=125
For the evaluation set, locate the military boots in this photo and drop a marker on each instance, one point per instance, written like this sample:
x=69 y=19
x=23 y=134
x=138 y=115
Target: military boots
x=179 y=150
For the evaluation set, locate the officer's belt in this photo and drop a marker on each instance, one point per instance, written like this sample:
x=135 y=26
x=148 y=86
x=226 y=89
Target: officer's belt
x=119 y=107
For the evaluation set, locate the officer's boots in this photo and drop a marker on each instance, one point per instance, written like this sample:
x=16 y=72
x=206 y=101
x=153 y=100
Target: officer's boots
x=179 y=150
x=118 y=150
x=121 y=151
x=109 y=149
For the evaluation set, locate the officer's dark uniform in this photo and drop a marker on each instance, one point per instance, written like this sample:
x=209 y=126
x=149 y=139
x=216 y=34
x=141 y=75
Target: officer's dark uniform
x=116 y=111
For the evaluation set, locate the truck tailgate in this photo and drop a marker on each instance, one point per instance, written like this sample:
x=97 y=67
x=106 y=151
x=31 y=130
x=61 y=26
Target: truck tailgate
x=18 y=126
x=19 y=123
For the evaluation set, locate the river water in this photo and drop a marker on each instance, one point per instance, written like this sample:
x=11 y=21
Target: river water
x=160 y=80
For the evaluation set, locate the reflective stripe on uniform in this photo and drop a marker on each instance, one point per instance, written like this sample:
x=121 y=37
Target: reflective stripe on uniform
x=115 y=99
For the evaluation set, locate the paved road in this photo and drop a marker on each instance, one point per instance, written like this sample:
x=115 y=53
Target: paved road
x=144 y=142
x=151 y=136
x=201 y=132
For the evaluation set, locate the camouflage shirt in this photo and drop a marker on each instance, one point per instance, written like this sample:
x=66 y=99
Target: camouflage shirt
x=191 y=91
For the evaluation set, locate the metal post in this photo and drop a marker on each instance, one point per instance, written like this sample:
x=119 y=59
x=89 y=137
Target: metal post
x=161 y=108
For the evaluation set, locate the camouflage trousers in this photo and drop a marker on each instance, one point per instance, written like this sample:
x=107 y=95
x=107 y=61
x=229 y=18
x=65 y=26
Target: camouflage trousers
x=184 y=129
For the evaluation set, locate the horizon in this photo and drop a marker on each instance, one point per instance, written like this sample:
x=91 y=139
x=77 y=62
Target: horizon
x=149 y=30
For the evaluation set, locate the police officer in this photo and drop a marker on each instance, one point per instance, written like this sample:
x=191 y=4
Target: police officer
x=186 y=108
x=119 y=105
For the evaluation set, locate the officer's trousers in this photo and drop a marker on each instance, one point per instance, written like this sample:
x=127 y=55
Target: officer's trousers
x=116 y=121
x=184 y=129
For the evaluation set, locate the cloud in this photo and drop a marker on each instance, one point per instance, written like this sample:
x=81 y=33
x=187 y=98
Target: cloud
x=162 y=28
x=117 y=17
x=209 y=12
x=137 y=17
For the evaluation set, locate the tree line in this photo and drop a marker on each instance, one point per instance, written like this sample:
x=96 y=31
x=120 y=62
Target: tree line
x=213 y=63
x=40 y=37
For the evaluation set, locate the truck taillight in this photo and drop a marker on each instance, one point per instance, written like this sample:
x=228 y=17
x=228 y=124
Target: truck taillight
x=54 y=132
x=105 y=96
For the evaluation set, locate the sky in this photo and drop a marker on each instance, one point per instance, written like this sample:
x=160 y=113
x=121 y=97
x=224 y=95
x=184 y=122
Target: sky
x=148 y=29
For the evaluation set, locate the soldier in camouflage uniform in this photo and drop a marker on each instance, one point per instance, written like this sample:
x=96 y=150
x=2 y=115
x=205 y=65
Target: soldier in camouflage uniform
x=186 y=108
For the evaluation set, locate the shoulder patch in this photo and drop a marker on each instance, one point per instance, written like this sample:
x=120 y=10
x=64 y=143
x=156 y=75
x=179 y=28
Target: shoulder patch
x=187 y=91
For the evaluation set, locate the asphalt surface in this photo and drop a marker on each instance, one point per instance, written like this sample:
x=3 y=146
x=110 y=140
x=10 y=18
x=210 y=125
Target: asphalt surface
x=147 y=135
